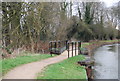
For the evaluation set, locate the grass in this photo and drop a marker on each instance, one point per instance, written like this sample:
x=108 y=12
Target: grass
x=0 y=68
x=9 y=64
x=84 y=44
x=67 y=69
x=110 y=41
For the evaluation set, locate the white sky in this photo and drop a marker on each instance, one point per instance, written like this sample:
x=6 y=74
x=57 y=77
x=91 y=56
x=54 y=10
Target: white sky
x=110 y=2
x=107 y=2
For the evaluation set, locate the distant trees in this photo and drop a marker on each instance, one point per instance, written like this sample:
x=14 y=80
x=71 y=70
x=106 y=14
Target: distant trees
x=96 y=22
x=27 y=23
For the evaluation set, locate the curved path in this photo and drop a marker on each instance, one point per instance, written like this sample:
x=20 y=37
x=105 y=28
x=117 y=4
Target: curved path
x=30 y=70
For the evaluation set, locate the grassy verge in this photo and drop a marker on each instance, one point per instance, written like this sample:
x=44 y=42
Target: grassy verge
x=109 y=41
x=85 y=44
x=0 y=68
x=92 y=45
x=67 y=69
x=9 y=64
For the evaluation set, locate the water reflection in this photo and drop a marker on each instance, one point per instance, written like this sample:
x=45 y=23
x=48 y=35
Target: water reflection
x=112 y=48
x=106 y=62
x=119 y=62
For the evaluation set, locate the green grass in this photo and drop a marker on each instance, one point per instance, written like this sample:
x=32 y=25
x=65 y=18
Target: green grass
x=67 y=69
x=0 y=68
x=9 y=64
x=84 y=44
x=110 y=41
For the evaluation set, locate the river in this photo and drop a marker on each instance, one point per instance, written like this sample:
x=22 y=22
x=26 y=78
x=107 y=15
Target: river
x=106 y=62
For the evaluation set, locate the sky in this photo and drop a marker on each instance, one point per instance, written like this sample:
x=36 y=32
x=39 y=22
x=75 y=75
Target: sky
x=110 y=2
x=107 y=2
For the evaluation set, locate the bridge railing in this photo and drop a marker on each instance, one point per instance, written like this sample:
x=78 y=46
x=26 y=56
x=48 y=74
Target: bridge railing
x=73 y=48
x=57 y=47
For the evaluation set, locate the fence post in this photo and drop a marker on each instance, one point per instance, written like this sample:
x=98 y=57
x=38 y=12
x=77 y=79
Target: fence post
x=59 y=44
x=68 y=48
x=72 y=49
x=55 y=46
x=51 y=48
x=66 y=43
x=79 y=46
x=75 y=48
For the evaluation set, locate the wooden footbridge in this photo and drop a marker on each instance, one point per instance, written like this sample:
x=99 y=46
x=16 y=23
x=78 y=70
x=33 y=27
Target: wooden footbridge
x=58 y=47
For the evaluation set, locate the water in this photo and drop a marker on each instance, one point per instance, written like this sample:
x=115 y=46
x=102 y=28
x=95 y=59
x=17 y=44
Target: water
x=106 y=62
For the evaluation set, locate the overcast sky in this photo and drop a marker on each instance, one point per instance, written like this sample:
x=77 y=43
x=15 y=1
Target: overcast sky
x=110 y=2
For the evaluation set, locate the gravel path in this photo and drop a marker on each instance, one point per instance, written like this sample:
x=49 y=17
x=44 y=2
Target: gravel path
x=30 y=70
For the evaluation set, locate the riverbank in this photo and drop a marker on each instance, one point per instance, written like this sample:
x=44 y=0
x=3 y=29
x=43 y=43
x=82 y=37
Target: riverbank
x=106 y=62
x=92 y=45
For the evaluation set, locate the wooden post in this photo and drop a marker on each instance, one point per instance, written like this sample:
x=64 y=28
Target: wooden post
x=55 y=46
x=72 y=49
x=68 y=48
x=79 y=45
x=66 y=43
x=51 y=48
x=75 y=48
x=59 y=46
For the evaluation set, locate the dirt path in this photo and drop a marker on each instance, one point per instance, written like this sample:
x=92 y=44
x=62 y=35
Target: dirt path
x=29 y=71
